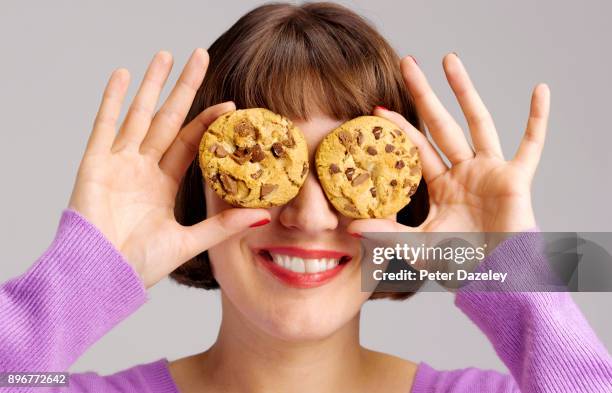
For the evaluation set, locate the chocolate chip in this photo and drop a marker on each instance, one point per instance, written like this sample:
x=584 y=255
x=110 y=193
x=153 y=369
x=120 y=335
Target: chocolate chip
x=241 y=155
x=289 y=142
x=360 y=179
x=267 y=189
x=229 y=185
x=412 y=190
x=393 y=183
x=359 y=138
x=333 y=169
x=399 y=164
x=349 y=172
x=345 y=138
x=240 y=159
x=257 y=175
x=277 y=149
x=304 y=169
x=371 y=150
x=257 y=154
x=245 y=129
x=350 y=207
x=397 y=132
x=377 y=131
x=389 y=148
x=220 y=151
x=415 y=170
x=373 y=192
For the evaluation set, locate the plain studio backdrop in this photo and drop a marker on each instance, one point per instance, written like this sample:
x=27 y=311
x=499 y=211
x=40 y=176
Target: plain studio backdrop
x=56 y=59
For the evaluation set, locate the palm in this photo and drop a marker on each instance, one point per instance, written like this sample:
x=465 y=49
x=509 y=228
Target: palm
x=484 y=194
x=131 y=200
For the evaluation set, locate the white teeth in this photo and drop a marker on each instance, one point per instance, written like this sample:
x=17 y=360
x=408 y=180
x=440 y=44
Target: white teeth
x=286 y=261
x=301 y=265
x=312 y=266
x=297 y=265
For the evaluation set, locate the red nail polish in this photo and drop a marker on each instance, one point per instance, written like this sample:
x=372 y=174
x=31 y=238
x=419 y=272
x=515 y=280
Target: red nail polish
x=259 y=223
x=356 y=235
x=381 y=107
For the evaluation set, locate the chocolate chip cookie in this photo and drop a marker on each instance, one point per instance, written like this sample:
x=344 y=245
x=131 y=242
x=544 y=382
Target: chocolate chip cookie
x=254 y=158
x=368 y=167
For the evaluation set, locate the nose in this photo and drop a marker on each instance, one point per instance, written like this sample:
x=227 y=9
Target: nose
x=309 y=211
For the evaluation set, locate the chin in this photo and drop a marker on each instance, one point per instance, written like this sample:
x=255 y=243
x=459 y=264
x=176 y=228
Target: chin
x=310 y=320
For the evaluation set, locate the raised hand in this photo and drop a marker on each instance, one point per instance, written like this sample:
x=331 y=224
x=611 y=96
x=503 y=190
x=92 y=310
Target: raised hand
x=128 y=180
x=480 y=191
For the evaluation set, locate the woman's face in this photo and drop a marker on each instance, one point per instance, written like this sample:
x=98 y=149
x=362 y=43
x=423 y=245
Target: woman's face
x=263 y=272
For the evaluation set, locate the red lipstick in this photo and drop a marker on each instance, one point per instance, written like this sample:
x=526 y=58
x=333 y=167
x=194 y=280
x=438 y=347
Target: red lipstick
x=301 y=280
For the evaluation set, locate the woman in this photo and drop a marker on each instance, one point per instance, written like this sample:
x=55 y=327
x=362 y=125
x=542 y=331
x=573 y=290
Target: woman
x=140 y=211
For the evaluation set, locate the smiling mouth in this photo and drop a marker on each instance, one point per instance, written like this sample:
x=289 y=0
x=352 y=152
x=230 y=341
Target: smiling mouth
x=303 y=268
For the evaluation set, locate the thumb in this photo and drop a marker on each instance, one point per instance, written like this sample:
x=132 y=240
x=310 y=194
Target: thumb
x=203 y=235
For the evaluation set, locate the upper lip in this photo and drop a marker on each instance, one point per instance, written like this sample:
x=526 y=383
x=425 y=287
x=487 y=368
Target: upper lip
x=306 y=253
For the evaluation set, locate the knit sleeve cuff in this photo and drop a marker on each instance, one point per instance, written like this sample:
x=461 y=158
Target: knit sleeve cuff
x=94 y=263
x=75 y=293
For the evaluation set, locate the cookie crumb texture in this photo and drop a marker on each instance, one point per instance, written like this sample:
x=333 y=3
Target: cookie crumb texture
x=254 y=158
x=368 y=167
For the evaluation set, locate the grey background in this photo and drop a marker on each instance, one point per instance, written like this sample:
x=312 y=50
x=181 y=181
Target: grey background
x=56 y=58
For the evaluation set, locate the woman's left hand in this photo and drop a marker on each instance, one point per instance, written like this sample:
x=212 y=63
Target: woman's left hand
x=480 y=191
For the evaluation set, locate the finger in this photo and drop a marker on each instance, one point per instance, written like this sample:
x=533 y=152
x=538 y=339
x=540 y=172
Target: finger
x=530 y=149
x=185 y=146
x=105 y=124
x=480 y=122
x=200 y=237
x=139 y=116
x=170 y=117
x=432 y=163
x=445 y=131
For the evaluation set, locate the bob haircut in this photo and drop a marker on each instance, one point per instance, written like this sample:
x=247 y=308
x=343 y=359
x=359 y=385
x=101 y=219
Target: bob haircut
x=296 y=61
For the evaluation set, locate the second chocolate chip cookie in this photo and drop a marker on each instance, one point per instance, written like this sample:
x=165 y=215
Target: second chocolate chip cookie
x=368 y=167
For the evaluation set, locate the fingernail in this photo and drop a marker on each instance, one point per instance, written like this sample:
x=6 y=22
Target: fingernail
x=356 y=235
x=380 y=107
x=259 y=223
x=415 y=60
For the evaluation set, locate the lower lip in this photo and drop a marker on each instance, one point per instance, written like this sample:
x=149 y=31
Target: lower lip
x=300 y=280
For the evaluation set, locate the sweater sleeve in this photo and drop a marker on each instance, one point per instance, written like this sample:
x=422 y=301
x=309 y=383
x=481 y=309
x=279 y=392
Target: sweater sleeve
x=542 y=337
x=74 y=293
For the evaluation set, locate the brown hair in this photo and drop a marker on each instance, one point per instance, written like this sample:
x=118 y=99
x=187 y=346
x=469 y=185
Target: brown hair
x=295 y=60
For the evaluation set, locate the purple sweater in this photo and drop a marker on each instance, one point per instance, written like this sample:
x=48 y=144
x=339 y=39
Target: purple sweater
x=81 y=287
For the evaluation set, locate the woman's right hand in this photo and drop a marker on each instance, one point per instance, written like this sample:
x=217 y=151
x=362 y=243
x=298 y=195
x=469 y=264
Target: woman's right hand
x=128 y=180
